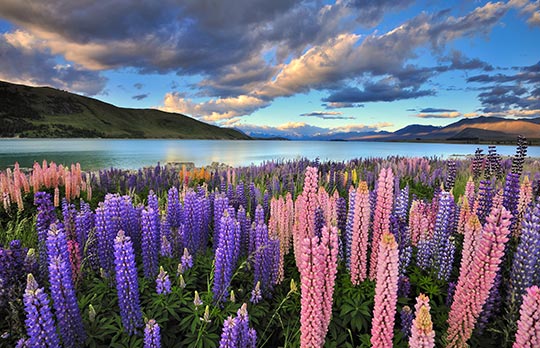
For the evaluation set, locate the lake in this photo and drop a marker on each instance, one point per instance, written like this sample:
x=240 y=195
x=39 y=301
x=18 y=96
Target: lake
x=136 y=153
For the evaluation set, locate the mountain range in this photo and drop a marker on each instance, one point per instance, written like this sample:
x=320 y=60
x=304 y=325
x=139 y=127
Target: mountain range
x=50 y=113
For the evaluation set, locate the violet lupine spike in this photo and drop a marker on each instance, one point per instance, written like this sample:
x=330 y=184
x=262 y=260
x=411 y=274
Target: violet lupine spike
x=386 y=288
x=479 y=279
x=400 y=228
x=240 y=195
x=406 y=317
x=442 y=245
x=193 y=233
x=225 y=257
x=319 y=221
x=528 y=332
x=519 y=157
x=39 y=319
x=511 y=196
x=221 y=203
x=68 y=213
x=484 y=199
x=348 y=234
x=62 y=289
x=153 y=203
x=186 y=260
x=477 y=163
x=244 y=230
x=229 y=334
x=174 y=209
x=381 y=218
x=152 y=336
x=127 y=286
x=163 y=283
x=45 y=217
x=450 y=176
x=84 y=223
x=150 y=243
x=526 y=264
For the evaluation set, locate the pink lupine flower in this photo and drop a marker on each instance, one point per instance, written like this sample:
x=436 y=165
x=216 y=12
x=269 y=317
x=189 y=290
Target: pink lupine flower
x=464 y=214
x=479 y=279
x=306 y=204
x=381 y=219
x=360 y=234
x=525 y=198
x=382 y=330
x=528 y=332
x=470 y=191
x=318 y=270
x=422 y=334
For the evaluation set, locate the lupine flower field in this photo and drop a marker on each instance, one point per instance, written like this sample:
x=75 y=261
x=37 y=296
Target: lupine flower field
x=395 y=252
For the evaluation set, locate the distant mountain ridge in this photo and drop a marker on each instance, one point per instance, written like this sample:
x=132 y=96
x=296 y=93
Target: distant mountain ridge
x=46 y=112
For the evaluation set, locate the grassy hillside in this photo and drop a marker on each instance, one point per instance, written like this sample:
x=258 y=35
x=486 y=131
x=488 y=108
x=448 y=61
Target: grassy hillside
x=47 y=112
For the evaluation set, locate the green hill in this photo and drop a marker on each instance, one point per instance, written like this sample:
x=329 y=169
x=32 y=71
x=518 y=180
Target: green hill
x=44 y=112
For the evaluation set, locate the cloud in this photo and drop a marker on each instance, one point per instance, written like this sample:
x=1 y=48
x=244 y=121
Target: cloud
x=452 y=114
x=140 y=96
x=138 y=85
x=25 y=60
x=213 y=110
x=382 y=90
x=434 y=110
x=510 y=94
x=328 y=115
x=302 y=130
x=338 y=105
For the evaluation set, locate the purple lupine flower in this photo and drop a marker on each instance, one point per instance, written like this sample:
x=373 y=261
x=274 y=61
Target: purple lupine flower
x=485 y=200
x=150 y=243
x=265 y=258
x=68 y=213
x=163 y=283
x=349 y=228
x=174 y=209
x=519 y=157
x=126 y=283
x=404 y=286
x=244 y=230
x=193 y=235
x=341 y=207
x=266 y=204
x=154 y=204
x=477 y=163
x=186 y=260
x=39 y=320
x=492 y=304
x=400 y=229
x=450 y=294
x=450 y=176
x=226 y=256
x=511 y=197
x=526 y=264
x=62 y=290
x=442 y=245
x=254 y=195
x=407 y=317
x=22 y=343
x=319 y=221
x=241 y=199
x=152 y=337
x=229 y=337
x=165 y=249
x=45 y=217
x=84 y=223
x=256 y=294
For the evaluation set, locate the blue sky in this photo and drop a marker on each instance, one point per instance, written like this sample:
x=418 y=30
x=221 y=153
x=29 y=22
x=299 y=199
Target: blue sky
x=284 y=67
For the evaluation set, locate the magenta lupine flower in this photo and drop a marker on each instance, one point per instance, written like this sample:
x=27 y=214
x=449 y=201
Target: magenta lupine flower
x=126 y=283
x=381 y=218
x=386 y=288
x=152 y=337
x=479 y=279
x=62 y=290
x=528 y=332
x=39 y=320
x=163 y=283
x=228 y=335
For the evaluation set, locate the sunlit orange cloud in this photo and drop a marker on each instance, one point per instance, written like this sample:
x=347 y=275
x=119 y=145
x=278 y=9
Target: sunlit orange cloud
x=452 y=114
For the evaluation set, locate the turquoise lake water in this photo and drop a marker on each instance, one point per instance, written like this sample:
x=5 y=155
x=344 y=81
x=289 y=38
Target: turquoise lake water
x=136 y=153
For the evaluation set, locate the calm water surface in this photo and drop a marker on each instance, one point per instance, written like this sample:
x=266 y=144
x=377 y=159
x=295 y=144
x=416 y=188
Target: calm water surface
x=136 y=153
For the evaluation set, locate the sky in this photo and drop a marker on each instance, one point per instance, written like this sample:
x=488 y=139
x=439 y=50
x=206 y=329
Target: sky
x=283 y=67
